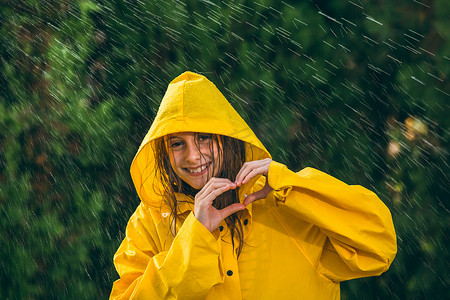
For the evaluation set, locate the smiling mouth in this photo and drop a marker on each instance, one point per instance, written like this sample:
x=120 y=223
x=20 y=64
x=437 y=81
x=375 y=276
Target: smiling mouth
x=198 y=171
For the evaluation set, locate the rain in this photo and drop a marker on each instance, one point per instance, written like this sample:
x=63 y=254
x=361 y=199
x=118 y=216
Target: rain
x=357 y=89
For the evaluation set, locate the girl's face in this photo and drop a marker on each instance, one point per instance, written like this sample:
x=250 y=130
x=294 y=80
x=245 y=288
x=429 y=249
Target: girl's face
x=194 y=157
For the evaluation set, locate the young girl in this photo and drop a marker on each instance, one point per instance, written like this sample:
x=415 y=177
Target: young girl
x=220 y=220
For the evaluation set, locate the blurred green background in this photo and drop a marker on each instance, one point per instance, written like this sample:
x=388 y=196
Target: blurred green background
x=358 y=89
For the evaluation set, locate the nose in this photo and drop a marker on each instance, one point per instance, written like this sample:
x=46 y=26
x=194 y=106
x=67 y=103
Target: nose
x=192 y=153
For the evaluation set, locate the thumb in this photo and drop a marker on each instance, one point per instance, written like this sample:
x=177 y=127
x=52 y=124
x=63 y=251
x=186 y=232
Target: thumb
x=254 y=196
x=231 y=209
x=262 y=193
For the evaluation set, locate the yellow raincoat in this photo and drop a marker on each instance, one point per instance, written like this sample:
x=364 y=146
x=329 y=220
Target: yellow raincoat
x=310 y=233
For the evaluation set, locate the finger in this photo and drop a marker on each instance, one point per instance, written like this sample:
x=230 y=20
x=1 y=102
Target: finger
x=244 y=173
x=241 y=171
x=230 y=209
x=248 y=167
x=254 y=196
x=218 y=185
x=261 y=194
x=213 y=181
x=212 y=194
x=252 y=174
x=212 y=184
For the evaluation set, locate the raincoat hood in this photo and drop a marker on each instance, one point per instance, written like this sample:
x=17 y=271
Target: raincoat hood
x=191 y=103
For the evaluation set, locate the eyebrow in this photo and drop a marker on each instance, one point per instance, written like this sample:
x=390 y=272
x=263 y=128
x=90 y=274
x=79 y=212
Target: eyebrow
x=173 y=137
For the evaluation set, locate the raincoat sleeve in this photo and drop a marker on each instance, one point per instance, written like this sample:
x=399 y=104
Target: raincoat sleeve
x=360 y=238
x=146 y=272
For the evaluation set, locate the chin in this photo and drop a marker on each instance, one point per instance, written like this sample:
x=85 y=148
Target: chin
x=197 y=186
x=194 y=185
x=199 y=182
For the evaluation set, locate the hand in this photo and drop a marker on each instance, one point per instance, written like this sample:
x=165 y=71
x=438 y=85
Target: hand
x=250 y=170
x=207 y=214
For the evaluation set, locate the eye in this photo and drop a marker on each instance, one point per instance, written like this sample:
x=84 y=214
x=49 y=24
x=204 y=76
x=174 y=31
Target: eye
x=176 y=144
x=204 y=137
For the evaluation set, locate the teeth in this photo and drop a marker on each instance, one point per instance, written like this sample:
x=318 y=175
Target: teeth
x=198 y=169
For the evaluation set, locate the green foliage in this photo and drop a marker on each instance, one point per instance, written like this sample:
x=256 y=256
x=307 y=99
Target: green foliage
x=358 y=89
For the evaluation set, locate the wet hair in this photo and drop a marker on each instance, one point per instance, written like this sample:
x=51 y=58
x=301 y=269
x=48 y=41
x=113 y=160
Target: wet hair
x=232 y=157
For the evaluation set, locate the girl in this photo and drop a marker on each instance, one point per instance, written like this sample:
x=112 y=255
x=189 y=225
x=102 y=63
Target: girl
x=218 y=219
